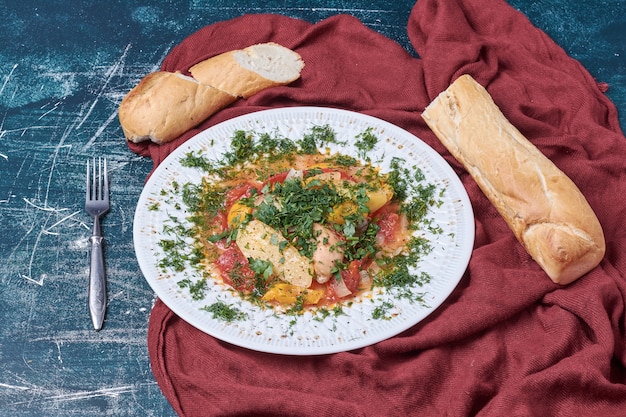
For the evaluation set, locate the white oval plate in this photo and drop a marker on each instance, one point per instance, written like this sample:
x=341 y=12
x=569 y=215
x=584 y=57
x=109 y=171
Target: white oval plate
x=308 y=334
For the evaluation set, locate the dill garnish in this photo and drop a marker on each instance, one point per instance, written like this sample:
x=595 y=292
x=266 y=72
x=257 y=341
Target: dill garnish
x=335 y=191
x=366 y=141
x=225 y=312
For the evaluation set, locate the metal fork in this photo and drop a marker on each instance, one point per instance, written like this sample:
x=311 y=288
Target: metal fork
x=96 y=205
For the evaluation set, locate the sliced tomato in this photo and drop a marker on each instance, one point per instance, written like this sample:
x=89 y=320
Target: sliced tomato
x=351 y=276
x=276 y=178
x=350 y=280
x=387 y=224
x=331 y=292
x=393 y=231
x=221 y=220
x=237 y=193
x=235 y=269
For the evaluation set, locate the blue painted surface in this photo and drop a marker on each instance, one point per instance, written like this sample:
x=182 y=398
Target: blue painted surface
x=64 y=67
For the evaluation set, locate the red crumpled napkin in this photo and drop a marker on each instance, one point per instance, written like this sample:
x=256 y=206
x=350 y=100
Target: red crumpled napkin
x=507 y=341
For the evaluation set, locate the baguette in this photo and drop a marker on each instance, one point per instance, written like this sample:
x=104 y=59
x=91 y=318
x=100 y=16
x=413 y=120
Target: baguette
x=543 y=207
x=164 y=105
x=247 y=71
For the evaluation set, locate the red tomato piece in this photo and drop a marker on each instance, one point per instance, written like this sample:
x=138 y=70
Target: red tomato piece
x=277 y=178
x=393 y=231
x=221 y=220
x=235 y=269
x=351 y=276
x=330 y=294
x=237 y=193
x=387 y=224
x=387 y=219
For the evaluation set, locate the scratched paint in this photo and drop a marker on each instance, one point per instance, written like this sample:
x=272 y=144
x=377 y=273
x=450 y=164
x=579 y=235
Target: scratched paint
x=593 y=32
x=57 y=110
x=63 y=71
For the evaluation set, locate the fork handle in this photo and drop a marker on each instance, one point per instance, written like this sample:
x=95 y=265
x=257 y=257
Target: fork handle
x=97 y=283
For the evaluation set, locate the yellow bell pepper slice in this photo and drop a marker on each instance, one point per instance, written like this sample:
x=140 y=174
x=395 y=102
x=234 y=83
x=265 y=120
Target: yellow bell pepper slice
x=376 y=199
x=379 y=197
x=237 y=213
x=285 y=293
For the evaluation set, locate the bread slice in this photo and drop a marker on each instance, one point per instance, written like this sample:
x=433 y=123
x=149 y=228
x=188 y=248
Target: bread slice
x=543 y=207
x=245 y=72
x=164 y=105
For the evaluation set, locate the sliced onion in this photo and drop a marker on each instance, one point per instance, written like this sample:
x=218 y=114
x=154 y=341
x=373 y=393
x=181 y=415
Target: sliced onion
x=322 y=279
x=365 y=279
x=339 y=287
x=380 y=240
x=404 y=224
x=294 y=173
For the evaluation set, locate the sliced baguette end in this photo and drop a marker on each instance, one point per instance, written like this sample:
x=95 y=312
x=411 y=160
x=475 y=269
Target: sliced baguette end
x=164 y=105
x=247 y=71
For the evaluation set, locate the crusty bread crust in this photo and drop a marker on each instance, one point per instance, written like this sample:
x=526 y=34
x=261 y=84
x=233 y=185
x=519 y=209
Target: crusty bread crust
x=247 y=71
x=164 y=105
x=543 y=207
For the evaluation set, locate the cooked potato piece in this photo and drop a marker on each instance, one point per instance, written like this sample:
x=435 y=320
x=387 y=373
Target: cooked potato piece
x=379 y=197
x=259 y=241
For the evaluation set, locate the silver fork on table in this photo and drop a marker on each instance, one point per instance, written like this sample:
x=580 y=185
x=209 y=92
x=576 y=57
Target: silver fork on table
x=96 y=205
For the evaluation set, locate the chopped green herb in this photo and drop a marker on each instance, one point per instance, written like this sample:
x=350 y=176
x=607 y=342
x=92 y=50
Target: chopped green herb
x=292 y=206
x=225 y=312
x=196 y=289
x=382 y=311
x=262 y=267
x=242 y=148
x=317 y=138
x=196 y=160
x=365 y=142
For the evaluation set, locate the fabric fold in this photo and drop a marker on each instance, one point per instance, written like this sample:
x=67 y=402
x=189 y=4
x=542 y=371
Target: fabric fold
x=507 y=341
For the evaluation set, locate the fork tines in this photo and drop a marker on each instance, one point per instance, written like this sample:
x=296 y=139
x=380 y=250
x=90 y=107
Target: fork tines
x=98 y=187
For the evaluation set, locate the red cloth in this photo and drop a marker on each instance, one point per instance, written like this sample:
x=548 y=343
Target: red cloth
x=507 y=341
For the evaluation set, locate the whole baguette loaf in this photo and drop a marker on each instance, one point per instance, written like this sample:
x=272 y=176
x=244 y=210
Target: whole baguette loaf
x=164 y=105
x=247 y=71
x=543 y=207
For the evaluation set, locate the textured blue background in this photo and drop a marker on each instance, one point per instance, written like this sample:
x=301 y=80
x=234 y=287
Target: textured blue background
x=64 y=67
